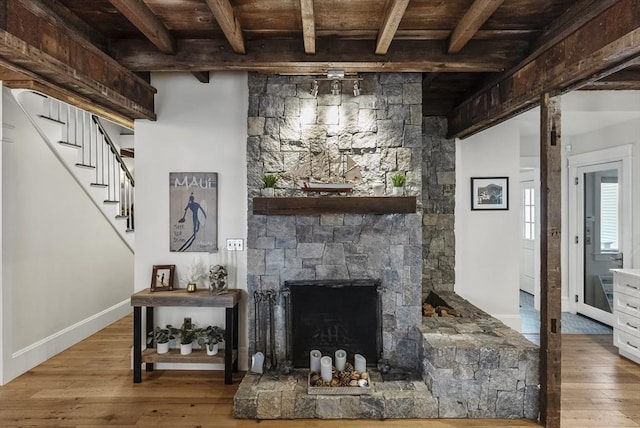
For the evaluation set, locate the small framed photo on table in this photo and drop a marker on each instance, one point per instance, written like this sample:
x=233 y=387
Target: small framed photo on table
x=489 y=193
x=162 y=277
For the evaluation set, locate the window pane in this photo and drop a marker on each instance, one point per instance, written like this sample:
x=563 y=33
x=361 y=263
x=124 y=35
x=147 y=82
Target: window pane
x=608 y=216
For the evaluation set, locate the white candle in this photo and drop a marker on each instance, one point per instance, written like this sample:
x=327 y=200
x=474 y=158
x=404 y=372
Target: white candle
x=360 y=363
x=341 y=359
x=326 y=369
x=315 y=356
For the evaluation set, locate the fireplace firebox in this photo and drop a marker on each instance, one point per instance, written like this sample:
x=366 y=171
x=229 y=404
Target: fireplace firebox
x=332 y=315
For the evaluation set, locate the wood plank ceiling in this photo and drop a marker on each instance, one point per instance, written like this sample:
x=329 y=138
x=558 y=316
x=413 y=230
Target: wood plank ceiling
x=102 y=51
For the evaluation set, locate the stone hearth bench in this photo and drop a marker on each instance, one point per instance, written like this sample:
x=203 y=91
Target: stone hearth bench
x=472 y=367
x=477 y=367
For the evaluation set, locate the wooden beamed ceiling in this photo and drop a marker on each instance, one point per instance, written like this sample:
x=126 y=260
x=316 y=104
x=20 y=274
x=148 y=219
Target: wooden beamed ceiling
x=476 y=55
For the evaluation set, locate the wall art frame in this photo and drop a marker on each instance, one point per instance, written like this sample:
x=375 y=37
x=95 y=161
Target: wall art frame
x=489 y=193
x=162 y=277
x=193 y=212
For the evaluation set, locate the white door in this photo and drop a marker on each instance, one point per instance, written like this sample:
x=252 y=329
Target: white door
x=528 y=233
x=599 y=215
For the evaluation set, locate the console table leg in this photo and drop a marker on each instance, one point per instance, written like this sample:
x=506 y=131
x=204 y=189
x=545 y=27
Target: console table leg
x=236 y=346
x=137 y=344
x=230 y=321
x=149 y=329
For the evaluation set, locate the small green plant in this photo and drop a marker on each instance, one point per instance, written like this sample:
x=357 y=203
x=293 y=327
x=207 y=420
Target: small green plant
x=162 y=335
x=398 y=179
x=210 y=335
x=270 y=180
x=188 y=333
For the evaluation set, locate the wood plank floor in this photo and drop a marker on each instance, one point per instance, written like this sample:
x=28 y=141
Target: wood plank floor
x=90 y=385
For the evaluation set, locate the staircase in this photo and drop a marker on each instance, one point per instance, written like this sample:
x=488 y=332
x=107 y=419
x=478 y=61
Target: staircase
x=81 y=143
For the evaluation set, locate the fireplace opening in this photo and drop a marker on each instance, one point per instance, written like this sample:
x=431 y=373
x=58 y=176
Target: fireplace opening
x=332 y=315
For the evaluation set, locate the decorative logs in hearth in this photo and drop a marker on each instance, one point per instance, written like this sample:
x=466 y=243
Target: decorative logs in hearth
x=439 y=311
x=346 y=377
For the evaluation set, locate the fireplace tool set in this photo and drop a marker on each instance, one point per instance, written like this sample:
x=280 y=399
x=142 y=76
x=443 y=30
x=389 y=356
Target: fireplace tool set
x=265 y=357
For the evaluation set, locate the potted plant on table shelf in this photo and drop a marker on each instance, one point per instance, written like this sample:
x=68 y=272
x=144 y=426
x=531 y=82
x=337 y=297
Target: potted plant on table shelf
x=210 y=338
x=398 y=180
x=187 y=333
x=162 y=336
x=269 y=181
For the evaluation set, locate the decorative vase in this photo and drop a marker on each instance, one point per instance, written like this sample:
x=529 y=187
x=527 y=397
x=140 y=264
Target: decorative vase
x=162 y=348
x=191 y=287
x=397 y=191
x=186 y=348
x=378 y=188
x=212 y=348
x=267 y=192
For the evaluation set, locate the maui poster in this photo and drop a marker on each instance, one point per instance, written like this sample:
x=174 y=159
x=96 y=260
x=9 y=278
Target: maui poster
x=193 y=216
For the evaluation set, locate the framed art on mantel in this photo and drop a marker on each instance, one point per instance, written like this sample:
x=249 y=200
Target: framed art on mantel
x=489 y=193
x=193 y=216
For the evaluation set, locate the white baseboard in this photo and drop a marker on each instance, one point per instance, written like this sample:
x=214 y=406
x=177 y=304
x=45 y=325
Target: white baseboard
x=29 y=357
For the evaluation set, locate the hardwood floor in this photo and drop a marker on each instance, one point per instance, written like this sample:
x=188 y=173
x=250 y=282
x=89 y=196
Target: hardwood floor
x=90 y=385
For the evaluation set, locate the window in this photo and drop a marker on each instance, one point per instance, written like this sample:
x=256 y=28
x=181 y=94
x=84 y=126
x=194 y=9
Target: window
x=528 y=209
x=609 y=214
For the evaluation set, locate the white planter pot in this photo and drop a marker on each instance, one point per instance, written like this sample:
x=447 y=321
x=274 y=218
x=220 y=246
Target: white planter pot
x=213 y=349
x=397 y=191
x=162 y=348
x=267 y=192
x=186 y=349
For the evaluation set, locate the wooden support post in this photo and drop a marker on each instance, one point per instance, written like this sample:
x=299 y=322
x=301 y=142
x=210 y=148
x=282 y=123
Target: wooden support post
x=550 y=278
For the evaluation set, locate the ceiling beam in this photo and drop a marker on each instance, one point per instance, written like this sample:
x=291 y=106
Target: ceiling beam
x=139 y=14
x=613 y=44
x=308 y=26
x=471 y=22
x=625 y=80
x=286 y=56
x=228 y=21
x=32 y=44
x=202 y=76
x=393 y=16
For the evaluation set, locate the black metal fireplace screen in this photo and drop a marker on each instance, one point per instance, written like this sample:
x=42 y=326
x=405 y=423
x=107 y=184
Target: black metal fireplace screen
x=332 y=315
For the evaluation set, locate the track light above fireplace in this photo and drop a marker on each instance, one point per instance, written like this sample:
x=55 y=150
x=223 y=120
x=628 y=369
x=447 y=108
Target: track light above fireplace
x=337 y=77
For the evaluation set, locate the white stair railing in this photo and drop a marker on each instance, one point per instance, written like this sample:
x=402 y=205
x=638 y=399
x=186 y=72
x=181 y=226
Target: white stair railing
x=105 y=176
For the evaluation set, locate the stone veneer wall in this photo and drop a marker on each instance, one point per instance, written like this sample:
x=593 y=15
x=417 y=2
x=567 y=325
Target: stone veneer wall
x=382 y=131
x=438 y=199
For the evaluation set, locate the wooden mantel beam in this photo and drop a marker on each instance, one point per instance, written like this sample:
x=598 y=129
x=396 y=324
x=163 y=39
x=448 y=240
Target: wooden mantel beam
x=471 y=22
x=286 y=56
x=395 y=12
x=607 y=43
x=228 y=21
x=308 y=26
x=139 y=14
x=32 y=44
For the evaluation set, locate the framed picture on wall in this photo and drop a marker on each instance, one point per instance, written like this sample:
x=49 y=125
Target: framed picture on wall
x=162 y=277
x=193 y=212
x=489 y=193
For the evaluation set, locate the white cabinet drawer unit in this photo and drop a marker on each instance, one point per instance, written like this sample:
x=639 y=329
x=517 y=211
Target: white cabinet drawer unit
x=626 y=312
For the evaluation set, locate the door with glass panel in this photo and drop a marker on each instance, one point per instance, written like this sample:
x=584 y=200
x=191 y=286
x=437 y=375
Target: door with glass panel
x=599 y=238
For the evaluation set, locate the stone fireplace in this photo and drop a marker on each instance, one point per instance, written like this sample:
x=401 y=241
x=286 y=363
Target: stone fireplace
x=472 y=366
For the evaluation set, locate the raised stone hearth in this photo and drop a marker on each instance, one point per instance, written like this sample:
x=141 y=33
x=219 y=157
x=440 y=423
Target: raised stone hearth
x=472 y=367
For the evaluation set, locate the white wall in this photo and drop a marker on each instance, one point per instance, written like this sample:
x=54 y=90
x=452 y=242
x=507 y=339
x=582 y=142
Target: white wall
x=488 y=242
x=200 y=128
x=65 y=271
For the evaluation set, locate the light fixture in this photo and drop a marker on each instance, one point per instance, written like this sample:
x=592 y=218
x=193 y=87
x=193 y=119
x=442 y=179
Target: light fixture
x=335 y=74
x=356 y=88
x=335 y=87
x=314 y=89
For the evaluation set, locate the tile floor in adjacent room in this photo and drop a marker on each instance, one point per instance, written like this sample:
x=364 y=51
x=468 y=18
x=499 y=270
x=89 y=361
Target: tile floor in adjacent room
x=571 y=323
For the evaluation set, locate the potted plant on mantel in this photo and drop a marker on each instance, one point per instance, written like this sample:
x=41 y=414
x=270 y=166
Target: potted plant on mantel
x=210 y=338
x=398 y=180
x=162 y=336
x=269 y=181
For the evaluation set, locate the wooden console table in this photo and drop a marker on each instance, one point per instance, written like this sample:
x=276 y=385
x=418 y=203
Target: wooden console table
x=180 y=298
